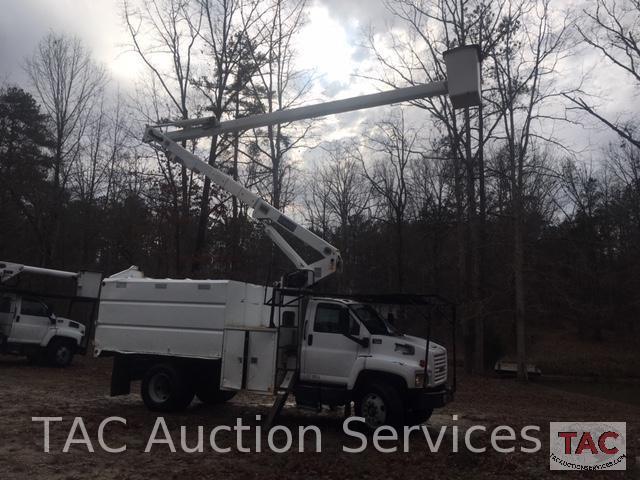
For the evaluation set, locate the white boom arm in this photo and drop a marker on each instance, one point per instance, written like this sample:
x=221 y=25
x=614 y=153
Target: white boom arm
x=462 y=86
x=262 y=210
x=9 y=270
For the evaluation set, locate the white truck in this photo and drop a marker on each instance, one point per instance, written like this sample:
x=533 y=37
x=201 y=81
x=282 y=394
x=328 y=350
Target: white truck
x=28 y=326
x=213 y=338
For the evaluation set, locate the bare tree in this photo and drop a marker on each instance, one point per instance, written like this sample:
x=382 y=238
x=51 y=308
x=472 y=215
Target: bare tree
x=433 y=203
x=316 y=202
x=337 y=198
x=613 y=28
x=278 y=85
x=229 y=47
x=394 y=146
x=624 y=163
x=433 y=28
x=67 y=82
x=526 y=71
x=164 y=32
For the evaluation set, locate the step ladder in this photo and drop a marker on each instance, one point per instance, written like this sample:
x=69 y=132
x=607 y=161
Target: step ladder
x=281 y=398
x=288 y=351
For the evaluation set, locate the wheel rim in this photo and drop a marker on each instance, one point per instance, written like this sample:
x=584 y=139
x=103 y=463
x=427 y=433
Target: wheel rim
x=160 y=388
x=374 y=410
x=62 y=355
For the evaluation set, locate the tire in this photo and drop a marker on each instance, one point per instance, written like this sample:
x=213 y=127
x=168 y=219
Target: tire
x=380 y=404
x=165 y=388
x=60 y=352
x=212 y=395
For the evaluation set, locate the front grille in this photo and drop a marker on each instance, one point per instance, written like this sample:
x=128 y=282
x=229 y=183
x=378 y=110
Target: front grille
x=439 y=374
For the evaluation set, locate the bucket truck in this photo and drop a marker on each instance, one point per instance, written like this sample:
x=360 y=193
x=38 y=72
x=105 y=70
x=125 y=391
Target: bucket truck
x=28 y=326
x=213 y=338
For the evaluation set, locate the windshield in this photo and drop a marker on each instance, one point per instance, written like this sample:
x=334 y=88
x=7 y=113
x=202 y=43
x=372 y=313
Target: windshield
x=372 y=321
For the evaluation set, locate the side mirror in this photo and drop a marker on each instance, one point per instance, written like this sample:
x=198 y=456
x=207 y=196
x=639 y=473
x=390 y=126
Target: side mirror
x=52 y=318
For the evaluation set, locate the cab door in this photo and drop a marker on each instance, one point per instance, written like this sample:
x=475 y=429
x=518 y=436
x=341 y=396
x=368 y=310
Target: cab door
x=31 y=323
x=328 y=355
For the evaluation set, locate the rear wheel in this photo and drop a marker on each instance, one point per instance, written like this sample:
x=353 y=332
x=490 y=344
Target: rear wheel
x=380 y=404
x=165 y=388
x=60 y=352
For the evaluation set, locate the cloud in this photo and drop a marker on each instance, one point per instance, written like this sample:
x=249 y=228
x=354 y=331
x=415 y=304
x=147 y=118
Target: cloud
x=333 y=47
x=358 y=12
x=24 y=23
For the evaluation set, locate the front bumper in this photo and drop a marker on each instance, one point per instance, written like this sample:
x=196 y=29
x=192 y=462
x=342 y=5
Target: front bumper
x=429 y=398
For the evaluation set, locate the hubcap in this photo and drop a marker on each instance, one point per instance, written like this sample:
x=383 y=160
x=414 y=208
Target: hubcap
x=62 y=355
x=159 y=388
x=374 y=410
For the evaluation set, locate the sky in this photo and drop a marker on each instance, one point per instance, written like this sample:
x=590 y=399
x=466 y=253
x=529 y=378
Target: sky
x=99 y=25
x=330 y=43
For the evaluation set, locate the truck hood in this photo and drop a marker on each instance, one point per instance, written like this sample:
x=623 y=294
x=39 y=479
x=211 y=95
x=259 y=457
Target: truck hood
x=406 y=353
x=405 y=349
x=62 y=322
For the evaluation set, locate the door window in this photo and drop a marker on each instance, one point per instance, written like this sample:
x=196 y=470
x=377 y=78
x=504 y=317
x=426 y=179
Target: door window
x=35 y=308
x=328 y=320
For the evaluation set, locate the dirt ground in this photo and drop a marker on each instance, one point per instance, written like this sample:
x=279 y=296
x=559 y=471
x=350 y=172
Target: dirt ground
x=82 y=390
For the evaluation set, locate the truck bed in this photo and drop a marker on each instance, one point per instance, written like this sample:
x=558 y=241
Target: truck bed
x=175 y=317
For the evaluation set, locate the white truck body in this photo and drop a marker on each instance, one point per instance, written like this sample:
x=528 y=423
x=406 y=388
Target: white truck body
x=175 y=317
x=226 y=327
x=199 y=319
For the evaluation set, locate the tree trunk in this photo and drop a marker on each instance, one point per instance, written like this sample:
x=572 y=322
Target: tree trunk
x=482 y=249
x=518 y=266
x=203 y=217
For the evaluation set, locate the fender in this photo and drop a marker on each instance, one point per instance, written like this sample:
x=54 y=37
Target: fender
x=373 y=366
x=393 y=379
x=63 y=330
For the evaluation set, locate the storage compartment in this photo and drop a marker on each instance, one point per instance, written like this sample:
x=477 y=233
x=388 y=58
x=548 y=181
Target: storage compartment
x=175 y=317
x=233 y=359
x=261 y=358
x=249 y=360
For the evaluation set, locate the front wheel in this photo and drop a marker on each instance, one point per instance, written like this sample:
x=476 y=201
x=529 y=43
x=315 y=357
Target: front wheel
x=165 y=388
x=60 y=352
x=380 y=404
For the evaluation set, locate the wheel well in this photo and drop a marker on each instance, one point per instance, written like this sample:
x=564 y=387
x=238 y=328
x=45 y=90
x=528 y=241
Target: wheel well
x=372 y=376
x=129 y=367
x=61 y=338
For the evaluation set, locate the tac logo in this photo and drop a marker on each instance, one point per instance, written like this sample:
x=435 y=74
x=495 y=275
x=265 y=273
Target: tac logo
x=588 y=446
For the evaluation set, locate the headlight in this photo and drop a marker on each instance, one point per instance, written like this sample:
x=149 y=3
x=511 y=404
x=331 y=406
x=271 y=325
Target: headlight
x=420 y=380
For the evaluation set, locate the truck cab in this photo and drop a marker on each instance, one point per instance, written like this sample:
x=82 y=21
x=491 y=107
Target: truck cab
x=349 y=352
x=29 y=327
